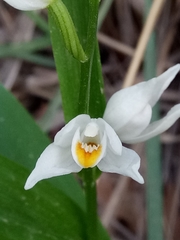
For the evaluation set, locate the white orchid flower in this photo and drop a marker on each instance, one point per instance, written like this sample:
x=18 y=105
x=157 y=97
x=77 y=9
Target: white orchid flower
x=28 y=5
x=86 y=142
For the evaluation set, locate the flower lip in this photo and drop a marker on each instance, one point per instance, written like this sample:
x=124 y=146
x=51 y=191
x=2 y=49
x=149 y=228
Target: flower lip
x=88 y=147
x=88 y=154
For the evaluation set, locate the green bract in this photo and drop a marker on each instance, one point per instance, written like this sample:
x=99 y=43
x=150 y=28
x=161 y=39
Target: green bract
x=64 y=22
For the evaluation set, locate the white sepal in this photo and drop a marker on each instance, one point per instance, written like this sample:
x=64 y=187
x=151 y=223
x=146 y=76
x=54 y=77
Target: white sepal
x=28 y=5
x=54 y=161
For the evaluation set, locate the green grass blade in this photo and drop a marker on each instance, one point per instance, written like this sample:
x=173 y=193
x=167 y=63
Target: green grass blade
x=38 y=20
x=153 y=150
x=104 y=8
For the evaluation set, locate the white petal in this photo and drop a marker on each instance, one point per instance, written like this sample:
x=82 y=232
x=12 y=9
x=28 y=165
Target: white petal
x=29 y=4
x=134 y=127
x=126 y=164
x=64 y=137
x=157 y=127
x=130 y=104
x=54 y=161
x=113 y=139
x=123 y=106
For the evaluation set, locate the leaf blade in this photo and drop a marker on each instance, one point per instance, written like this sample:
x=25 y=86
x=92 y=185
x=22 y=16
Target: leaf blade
x=33 y=214
x=22 y=141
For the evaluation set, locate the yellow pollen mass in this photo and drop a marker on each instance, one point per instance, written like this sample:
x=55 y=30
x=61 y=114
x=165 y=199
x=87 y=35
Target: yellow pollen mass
x=88 y=153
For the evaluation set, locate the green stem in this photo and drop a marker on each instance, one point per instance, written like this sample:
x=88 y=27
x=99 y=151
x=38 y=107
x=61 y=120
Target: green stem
x=85 y=96
x=154 y=174
x=91 y=204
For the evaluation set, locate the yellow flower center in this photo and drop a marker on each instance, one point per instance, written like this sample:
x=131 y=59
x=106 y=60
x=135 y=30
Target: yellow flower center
x=88 y=153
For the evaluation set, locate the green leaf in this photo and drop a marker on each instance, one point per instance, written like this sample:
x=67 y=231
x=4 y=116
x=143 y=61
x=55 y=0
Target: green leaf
x=43 y=213
x=91 y=99
x=97 y=97
x=93 y=6
x=22 y=141
x=68 y=70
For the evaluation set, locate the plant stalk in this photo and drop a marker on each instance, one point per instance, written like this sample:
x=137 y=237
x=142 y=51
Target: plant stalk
x=91 y=204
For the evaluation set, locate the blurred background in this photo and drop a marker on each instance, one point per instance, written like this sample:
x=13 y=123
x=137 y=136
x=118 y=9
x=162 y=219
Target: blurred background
x=27 y=69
